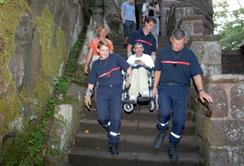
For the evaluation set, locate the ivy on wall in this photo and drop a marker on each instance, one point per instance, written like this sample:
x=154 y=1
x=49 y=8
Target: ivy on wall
x=29 y=147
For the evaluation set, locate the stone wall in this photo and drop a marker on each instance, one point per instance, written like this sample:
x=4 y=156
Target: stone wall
x=173 y=10
x=208 y=50
x=205 y=6
x=35 y=37
x=222 y=135
x=232 y=62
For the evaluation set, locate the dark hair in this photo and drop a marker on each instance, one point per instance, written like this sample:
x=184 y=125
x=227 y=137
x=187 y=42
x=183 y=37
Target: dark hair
x=138 y=43
x=102 y=43
x=178 y=34
x=151 y=19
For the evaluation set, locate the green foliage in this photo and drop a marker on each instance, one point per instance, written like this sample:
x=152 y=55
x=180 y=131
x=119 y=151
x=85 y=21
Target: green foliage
x=233 y=31
x=229 y=25
x=72 y=65
x=1 y=2
x=29 y=147
x=62 y=85
x=11 y=13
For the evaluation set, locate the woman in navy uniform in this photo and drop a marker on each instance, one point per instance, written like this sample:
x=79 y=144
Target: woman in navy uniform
x=175 y=66
x=106 y=75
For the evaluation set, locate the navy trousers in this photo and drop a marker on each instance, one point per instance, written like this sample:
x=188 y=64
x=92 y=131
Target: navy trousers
x=172 y=102
x=109 y=108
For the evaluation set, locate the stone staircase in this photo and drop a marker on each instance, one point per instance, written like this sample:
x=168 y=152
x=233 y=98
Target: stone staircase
x=138 y=130
x=137 y=134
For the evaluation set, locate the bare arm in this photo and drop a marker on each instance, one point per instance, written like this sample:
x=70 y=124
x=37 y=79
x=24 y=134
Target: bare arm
x=199 y=85
x=122 y=14
x=90 y=86
x=153 y=55
x=156 y=9
x=88 y=60
x=156 y=82
x=129 y=48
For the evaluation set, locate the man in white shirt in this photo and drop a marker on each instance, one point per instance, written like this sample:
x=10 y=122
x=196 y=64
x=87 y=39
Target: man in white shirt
x=139 y=76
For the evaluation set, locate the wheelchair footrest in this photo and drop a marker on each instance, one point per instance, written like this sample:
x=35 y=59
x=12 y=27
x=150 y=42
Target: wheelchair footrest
x=128 y=102
x=144 y=99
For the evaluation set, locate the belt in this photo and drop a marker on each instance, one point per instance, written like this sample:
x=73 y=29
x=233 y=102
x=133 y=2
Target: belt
x=110 y=86
x=171 y=84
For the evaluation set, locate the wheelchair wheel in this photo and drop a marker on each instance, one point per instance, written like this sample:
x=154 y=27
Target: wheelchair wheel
x=128 y=108
x=152 y=106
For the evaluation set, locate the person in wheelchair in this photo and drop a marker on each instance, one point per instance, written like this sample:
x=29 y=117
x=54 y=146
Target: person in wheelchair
x=141 y=64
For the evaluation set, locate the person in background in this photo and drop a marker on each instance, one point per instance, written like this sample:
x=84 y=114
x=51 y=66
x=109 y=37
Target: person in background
x=175 y=66
x=107 y=76
x=101 y=34
x=145 y=37
x=145 y=11
x=129 y=19
x=154 y=11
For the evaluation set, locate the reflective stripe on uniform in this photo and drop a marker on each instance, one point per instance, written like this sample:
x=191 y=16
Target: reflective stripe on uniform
x=175 y=135
x=163 y=124
x=109 y=72
x=108 y=124
x=114 y=134
x=176 y=62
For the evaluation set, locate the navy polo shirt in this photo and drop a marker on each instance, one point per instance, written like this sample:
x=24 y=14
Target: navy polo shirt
x=177 y=67
x=148 y=41
x=108 y=71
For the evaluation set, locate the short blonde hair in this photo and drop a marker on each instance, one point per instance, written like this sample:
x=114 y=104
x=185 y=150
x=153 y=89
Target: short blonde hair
x=102 y=27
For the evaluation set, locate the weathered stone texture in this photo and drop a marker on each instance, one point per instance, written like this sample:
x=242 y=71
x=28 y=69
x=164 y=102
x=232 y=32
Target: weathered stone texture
x=217 y=156
x=237 y=101
x=39 y=35
x=226 y=156
x=223 y=134
x=209 y=55
x=221 y=105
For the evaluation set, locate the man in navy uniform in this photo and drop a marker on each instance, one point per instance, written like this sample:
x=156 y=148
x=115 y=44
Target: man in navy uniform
x=106 y=75
x=175 y=66
x=145 y=37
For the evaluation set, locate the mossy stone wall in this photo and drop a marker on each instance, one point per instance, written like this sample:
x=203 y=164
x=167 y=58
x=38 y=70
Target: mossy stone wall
x=35 y=38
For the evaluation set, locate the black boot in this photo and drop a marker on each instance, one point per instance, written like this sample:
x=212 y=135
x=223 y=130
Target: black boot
x=107 y=131
x=113 y=148
x=159 y=138
x=172 y=151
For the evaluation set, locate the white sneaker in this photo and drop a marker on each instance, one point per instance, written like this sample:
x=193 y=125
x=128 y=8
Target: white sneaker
x=133 y=98
x=145 y=94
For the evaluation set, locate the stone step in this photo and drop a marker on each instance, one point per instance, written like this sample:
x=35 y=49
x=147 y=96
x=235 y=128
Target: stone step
x=133 y=143
x=98 y=157
x=120 y=49
x=131 y=127
x=138 y=115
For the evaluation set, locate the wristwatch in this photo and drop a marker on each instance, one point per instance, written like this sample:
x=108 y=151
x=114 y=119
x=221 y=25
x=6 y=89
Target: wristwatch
x=200 y=90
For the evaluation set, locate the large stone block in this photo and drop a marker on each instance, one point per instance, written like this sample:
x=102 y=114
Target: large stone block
x=198 y=27
x=225 y=133
x=217 y=156
x=237 y=101
x=237 y=156
x=208 y=52
x=226 y=156
x=220 y=96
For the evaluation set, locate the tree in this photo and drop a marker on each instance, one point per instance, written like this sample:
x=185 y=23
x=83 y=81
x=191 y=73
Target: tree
x=229 y=24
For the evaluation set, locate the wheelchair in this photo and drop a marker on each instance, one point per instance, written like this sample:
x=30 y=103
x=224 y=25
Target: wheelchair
x=130 y=105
